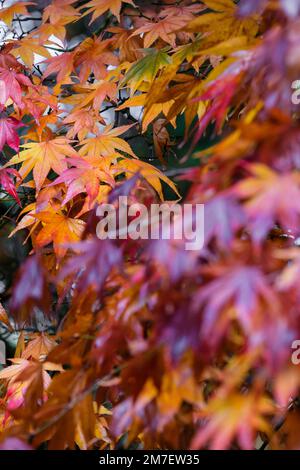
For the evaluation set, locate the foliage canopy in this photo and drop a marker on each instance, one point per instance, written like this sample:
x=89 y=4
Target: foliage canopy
x=141 y=343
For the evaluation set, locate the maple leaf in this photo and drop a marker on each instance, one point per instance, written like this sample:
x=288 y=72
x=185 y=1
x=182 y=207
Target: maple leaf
x=84 y=121
x=58 y=229
x=26 y=49
x=98 y=7
x=8 y=132
x=163 y=29
x=36 y=102
x=11 y=84
x=46 y=30
x=93 y=56
x=85 y=176
x=152 y=175
x=7 y=184
x=62 y=66
x=106 y=144
x=27 y=219
x=245 y=288
x=184 y=11
x=129 y=46
x=38 y=347
x=145 y=69
x=178 y=387
x=24 y=375
x=41 y=157
x=60 y=11
x=140 y=314
x=223 y=22
x=19 y=8
x=48 y=197
x=7 y=60
x=236 y=415
x=160 y=98
x=221 y=93
x=96 y=93
x=172 y=258
x=269 y=197
x=150 y=112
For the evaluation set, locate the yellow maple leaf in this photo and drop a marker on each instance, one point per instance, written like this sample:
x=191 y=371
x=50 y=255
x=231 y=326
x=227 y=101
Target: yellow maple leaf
x=19 y=8
x=41 y=157
x=27 y=47
x=231 y=416
x=223 y=23
x=106 y=144
x=150 y=173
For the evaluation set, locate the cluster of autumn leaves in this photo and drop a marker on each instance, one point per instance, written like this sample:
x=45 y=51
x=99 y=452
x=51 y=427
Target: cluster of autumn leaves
x=142 y=343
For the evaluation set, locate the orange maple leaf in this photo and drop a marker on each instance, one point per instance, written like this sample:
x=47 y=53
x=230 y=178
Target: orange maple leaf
x=93 y=56
x=98 y=7
x=60 y=10
x=82 y=122
x=96 y=93
x=60 y=230
x=38 y=347
x=62 y=65
x=19 y=8
x=164 y=29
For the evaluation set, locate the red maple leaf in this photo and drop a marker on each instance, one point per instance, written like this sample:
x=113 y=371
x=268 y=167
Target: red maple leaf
x=8 y=132
x=11 y=86
x=7 y=184
x=220 y=93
